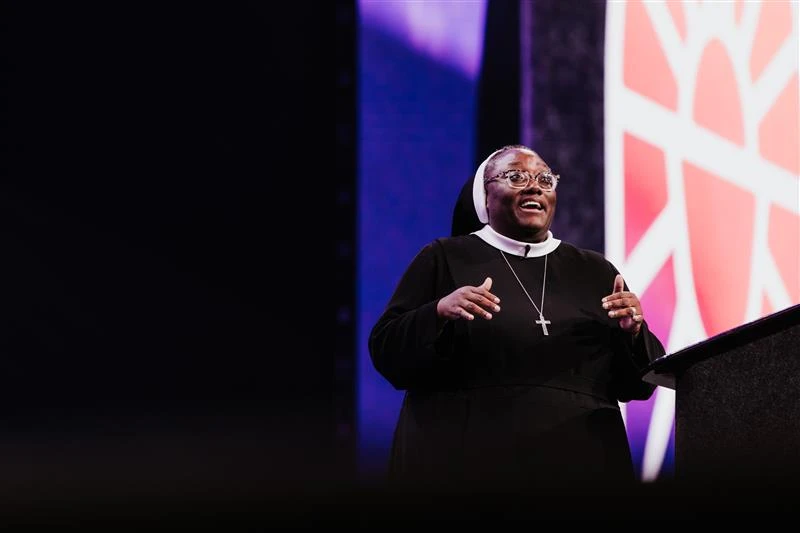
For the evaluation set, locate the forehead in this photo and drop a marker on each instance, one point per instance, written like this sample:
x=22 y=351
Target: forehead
x=522 y=159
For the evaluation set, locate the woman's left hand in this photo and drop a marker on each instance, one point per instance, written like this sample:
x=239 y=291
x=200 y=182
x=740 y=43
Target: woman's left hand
x=625 y=306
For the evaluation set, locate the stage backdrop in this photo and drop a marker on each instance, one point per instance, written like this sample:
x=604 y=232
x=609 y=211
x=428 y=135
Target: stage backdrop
x=418 y=68
x=697 y=147
x=702 y=161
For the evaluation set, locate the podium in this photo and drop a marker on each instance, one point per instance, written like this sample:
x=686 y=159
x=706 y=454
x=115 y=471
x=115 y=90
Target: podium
x=737 y=404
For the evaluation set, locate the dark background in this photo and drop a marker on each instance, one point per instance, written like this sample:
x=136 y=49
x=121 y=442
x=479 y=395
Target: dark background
x=178 y=220
x=567 y=56
x=177 y=275
x=177 y=226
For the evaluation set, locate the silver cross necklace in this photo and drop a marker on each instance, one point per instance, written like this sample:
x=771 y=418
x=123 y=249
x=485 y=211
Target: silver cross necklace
x=539 y=310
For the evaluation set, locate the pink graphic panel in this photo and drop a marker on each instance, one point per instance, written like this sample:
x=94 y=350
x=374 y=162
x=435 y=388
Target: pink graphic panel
x=702 y=190
x=676 y=10
x=645 y=187
x=738 y=9
x=766 y=307
x=646 y=69
x=774 y=26
x=717 y=105
x=720 y=222
x=784 y=244
x=779 y=138
x=658 y=301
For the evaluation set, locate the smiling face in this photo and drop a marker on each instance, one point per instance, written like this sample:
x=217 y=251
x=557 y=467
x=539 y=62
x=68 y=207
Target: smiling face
x=521 y=214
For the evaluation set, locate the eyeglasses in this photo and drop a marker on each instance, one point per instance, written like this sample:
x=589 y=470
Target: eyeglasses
x=519 y=179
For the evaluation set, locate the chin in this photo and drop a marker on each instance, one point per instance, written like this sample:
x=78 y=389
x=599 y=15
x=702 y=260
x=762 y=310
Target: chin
x=532 y=232
x=529 y=227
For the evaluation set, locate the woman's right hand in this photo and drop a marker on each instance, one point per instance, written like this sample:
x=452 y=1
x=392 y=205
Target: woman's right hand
x=469 y=302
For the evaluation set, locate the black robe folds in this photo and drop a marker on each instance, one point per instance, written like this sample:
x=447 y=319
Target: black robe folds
x=496 y=401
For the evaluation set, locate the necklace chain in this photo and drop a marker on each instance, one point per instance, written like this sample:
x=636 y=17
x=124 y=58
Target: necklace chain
x=541 y=320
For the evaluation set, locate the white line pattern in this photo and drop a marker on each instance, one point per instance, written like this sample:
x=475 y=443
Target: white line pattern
x=682 y=140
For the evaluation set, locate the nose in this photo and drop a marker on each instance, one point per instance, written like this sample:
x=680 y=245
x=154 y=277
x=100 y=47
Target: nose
x=533 y=185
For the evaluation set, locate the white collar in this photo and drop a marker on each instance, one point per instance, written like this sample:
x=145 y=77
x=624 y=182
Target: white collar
x=511 y=246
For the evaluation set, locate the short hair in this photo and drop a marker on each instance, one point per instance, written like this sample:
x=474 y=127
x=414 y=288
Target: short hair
x=505 y=149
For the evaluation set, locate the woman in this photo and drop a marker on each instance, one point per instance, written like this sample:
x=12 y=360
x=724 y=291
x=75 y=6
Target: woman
x=514 y=348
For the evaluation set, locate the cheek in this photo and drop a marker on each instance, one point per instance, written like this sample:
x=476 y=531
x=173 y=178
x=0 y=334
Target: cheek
x=501 y=205
x=553 y=203
x=492 y=202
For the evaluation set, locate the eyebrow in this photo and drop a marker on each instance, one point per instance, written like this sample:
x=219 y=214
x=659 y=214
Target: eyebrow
x=545 y=169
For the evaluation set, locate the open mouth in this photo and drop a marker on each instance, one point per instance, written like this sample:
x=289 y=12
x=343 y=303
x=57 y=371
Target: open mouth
x=531 y=205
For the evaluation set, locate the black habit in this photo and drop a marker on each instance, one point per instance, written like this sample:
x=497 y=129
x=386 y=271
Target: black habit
x=496 y=402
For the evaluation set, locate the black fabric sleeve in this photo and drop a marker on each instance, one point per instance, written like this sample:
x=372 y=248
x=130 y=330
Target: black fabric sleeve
x=408 y=343
x=632 y=356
